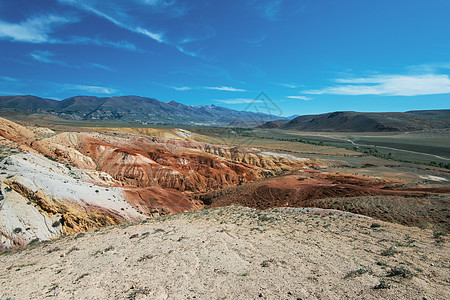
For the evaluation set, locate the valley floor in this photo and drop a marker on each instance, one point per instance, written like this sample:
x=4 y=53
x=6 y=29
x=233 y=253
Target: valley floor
x=236 y=253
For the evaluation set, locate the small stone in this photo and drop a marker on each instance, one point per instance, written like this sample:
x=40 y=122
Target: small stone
x=63 y=255
x=261 y=295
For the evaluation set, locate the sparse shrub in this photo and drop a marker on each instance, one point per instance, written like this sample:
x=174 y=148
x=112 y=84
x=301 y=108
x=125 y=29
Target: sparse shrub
x=81 y=234
x=438 y=234
x=375 y=225
x=355 y=273
x=381 y=285
x=17 y=230
x=400 y=271
x=56 y=223
x=145 y=257
x=389 y=252
x=34 y=241
x=266 y=263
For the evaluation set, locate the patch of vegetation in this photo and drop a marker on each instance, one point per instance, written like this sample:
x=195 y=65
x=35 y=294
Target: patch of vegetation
x=389 y=252
x=266 y=263
x=381 y=285
x=145 y=257
x=81 y=277
x=439 y=236
x=56 y=223
x=400 y=271
x=389 y=156
x=81 y=234
x=138 y=291
x=407 y=243
x=355 y=273
x=375 y=225
x=17 y=230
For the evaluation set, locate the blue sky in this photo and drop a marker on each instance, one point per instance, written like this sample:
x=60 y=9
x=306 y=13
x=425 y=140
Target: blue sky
x=308 y=56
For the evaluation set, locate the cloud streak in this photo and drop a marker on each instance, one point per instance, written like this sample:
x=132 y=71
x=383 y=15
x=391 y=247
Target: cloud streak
x=238 y=101
x=304 y=98
x=33 y=30
x=47 y=57
x=224 y=88
x=181 y=88
x=89 y=88
x=389 y=85
x=90 y=6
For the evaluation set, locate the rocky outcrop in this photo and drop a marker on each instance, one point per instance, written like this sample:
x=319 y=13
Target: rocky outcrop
x=70 y=182
x=42 y=199
x=176 y=164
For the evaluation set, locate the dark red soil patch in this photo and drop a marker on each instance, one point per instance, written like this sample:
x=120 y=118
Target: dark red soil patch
x=322 y=190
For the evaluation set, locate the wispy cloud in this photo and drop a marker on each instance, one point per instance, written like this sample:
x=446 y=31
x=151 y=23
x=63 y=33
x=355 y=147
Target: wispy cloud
x=389 y=85
x=269 y=9
x=36 y=29
x=93 y=7
x=224 y=88
x=257 y=42
x=187 y=52
x=181 y=88
x=47 y=57
x=39 y=29
x=100 y=66
x=118 y=13
x=89 y=88
x=80 y=40
x=8 y=79
x=238 y=101
x=300 y=98
x=287 y=85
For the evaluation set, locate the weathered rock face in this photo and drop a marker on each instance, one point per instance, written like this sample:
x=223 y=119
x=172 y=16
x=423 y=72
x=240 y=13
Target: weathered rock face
x=42 y=199
x=182 y=165
x=70 y=182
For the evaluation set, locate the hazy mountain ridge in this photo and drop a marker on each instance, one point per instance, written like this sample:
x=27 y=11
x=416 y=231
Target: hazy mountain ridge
x=129 y=109
x=363 y=121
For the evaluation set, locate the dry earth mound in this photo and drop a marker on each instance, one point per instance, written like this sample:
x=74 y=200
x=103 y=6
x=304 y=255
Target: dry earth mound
x=236 y=253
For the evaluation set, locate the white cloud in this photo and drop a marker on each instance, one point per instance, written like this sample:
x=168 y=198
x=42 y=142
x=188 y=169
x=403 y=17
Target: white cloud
x=33 y=30
x=389 y=85
x=118 y=13
x=182 y=88
x=239 y=101
x=47 y=57
x=187 y=52
x=9 y=79
x=91 y=6
x=224 y=88
x=287 y=85
x=300 y=98
x=159 y=37
x=89 y=89
x=99 y=42
x=258 y=41
x=100 y=66
x=270 y=9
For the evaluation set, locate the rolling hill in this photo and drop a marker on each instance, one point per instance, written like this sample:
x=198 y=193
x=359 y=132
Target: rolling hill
x=129 y=109
x=352 y=121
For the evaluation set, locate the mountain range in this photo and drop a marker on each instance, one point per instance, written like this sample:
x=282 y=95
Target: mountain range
x=130 y=109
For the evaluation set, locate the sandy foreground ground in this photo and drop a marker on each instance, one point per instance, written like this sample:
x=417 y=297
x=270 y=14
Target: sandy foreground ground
x=236 y=253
